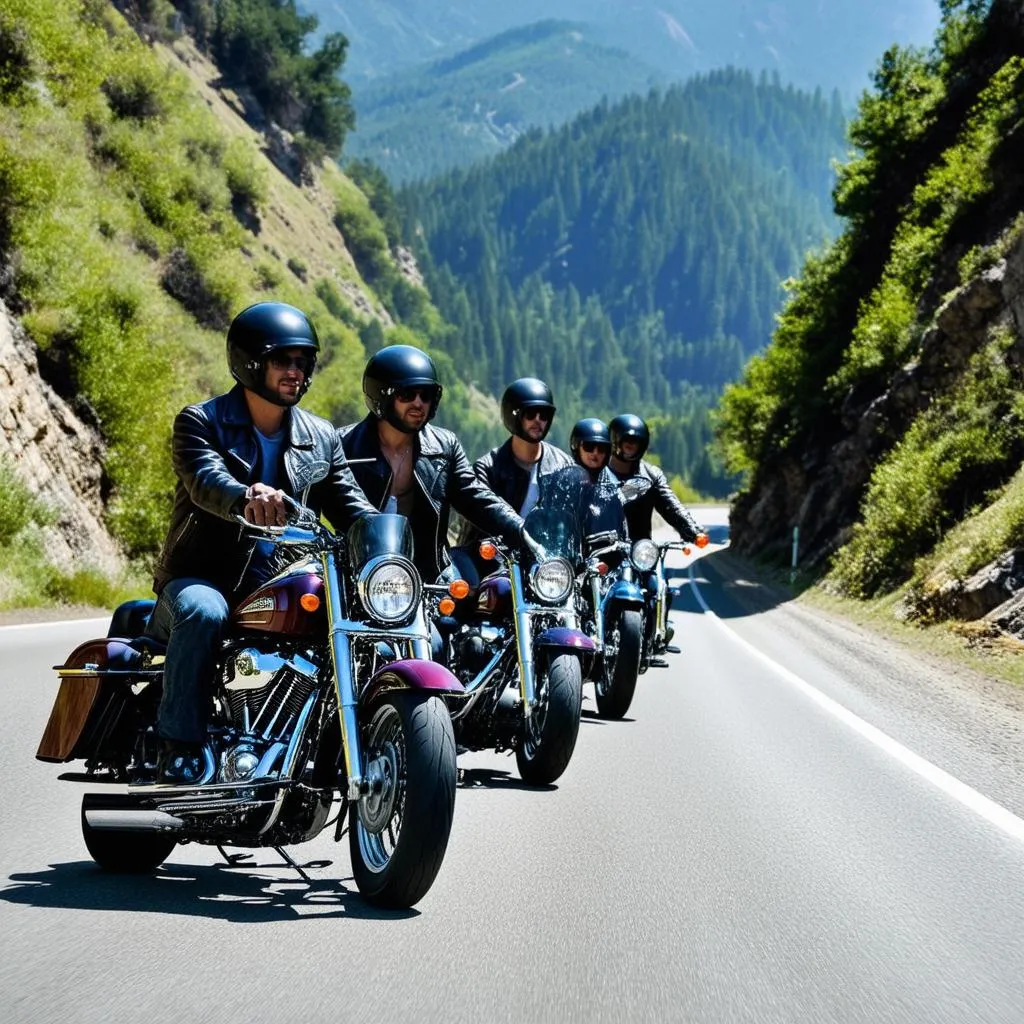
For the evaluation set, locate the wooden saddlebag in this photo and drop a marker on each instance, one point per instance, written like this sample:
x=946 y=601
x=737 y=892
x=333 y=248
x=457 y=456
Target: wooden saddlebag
x=93 y=688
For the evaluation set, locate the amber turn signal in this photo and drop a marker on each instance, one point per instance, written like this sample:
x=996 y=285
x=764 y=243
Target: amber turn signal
x=309 y=602
x=446 y=606
x=458 y=589
x=488 y=552
x=702 y=540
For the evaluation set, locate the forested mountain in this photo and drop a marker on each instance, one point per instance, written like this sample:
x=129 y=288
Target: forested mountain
x=831 y=43
x=634 y=258
x=452 y=112
x=886 y=419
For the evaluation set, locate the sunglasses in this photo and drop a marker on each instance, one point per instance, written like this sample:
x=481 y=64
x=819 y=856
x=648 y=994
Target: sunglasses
x=536 y=414
x=425 y=392
x=593 y=446
x=280 y=361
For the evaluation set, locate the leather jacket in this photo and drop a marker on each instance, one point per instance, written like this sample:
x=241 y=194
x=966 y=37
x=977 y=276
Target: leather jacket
x=445 y=481
x=215 y=458
x=499 y=470
x=661 y=498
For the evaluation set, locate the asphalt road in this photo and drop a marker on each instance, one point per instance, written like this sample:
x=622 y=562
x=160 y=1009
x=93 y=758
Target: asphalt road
x=794 y=824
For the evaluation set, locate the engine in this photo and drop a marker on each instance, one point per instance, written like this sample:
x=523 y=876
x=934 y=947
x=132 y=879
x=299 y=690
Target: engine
x=262 y=694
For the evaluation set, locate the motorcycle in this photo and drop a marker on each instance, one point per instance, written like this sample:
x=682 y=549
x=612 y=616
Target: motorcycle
x=660 y=633
x=614 y=598
x=517 y=646
x=324 y=684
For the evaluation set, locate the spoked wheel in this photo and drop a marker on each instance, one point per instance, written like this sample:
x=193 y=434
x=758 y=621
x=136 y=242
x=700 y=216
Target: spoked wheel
x=126 y=851
x=616 y=687
x=551 y=731
x=399 y=831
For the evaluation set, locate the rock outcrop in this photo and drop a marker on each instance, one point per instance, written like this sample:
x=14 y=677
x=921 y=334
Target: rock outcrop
x=56 y=453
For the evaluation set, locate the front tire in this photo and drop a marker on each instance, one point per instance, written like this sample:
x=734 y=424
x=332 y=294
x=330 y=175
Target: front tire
x=398 y=836
x=615 y=692
x=126 y=851
x=551 y=731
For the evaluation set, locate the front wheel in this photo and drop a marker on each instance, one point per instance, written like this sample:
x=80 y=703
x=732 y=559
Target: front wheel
x=550 y=735
x=615 y=690
x=399 y=831
x=126 y=851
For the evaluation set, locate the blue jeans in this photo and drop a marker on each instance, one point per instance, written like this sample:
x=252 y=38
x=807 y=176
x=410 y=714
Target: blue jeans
x=190 y=616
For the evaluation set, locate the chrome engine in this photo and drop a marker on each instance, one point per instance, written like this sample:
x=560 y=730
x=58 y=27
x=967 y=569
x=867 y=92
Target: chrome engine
x=262 y=694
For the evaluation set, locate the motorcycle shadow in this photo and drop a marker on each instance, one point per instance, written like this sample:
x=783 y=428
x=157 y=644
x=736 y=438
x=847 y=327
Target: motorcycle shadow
x=248 y=894
x=493 y=778
x=592 y=717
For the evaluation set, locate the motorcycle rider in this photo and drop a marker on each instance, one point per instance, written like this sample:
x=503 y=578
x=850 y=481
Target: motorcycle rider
x=591 y=447
x=630 y=439
x=413 y=468
x=518 y=469
x=237 y=454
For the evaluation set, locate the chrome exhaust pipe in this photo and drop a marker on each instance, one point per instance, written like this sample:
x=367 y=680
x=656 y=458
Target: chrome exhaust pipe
x=125 y=820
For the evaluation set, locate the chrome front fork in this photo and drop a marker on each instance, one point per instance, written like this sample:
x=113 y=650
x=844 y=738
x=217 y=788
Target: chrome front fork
x=341 y=658
x=595 y=589
x=524 y=641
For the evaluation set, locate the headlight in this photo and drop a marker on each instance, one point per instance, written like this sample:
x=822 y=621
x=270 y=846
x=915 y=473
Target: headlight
x=644 y=555
x=389 y=589
x=552 y=580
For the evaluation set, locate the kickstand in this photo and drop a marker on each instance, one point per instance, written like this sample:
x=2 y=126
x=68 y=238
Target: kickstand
x=234 y=858
x=283 y=854
x=341 y=827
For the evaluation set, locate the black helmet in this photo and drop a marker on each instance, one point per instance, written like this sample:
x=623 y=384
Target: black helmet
x=392 y=368
x=525 y=393
x=628 y=427
x=591 y=430
x=261 y=329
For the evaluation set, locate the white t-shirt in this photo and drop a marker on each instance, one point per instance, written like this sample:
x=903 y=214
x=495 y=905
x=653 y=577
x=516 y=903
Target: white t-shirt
x=532 y=491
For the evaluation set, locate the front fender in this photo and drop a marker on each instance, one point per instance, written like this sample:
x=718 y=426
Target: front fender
x=622 y=594
x=565 y=639
x=410 y=674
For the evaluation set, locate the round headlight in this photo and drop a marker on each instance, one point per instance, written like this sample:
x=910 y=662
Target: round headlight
x=389 y=589
x=644 y=555
x=552 y=580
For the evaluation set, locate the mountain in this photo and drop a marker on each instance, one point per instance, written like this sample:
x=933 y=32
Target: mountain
x=828 y=43
x=634 y=257
x=459 y=110
x=885 y=420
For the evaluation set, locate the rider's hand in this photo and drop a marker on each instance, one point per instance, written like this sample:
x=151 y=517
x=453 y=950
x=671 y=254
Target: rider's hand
x=265 y=506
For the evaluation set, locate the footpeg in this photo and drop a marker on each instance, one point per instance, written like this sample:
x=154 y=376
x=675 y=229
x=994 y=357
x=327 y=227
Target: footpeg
x=672 y=649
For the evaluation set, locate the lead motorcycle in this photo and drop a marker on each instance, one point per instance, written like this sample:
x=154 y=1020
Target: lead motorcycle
x=516 y=643
x=324 y=686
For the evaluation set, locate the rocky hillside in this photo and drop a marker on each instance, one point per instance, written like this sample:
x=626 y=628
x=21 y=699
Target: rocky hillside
x=886 y=421
x=142 y=203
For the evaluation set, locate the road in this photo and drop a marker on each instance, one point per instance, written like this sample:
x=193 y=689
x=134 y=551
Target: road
x=794 y=824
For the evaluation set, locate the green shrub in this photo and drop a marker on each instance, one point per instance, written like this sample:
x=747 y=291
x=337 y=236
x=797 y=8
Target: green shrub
x=19 y=507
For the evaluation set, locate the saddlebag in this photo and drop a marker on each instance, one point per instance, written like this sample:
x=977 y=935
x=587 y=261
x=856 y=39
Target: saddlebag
x=94 y=691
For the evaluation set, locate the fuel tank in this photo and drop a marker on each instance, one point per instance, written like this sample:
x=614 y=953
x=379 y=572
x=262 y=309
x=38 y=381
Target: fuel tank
x=291 y=604
x=494 y=598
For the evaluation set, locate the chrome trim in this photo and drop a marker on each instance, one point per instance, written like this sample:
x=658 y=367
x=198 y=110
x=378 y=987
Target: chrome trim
x=290 y=756
x=524 y=641
x=133 y=820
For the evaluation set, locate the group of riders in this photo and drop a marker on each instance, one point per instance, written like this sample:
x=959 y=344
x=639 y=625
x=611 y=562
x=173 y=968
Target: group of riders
x=251 y=451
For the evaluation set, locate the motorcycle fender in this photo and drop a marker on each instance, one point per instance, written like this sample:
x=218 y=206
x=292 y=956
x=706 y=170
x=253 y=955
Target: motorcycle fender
x=566 y=639
x=410 y=674
x=624 y=594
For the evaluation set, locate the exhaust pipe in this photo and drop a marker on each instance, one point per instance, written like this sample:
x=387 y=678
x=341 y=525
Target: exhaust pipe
x=124 y=820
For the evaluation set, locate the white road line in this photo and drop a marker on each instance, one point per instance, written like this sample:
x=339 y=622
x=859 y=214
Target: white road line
x=953 y=787
x=54 y=624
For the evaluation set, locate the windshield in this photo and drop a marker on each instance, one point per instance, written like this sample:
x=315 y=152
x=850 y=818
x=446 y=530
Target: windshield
x=382 y=534
x=557 y=521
